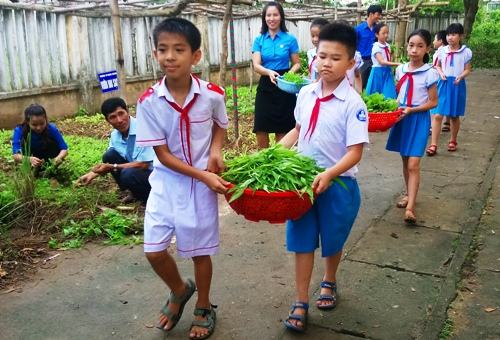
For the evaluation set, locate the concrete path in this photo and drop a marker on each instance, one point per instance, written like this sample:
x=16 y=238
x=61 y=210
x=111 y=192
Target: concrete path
x=395 y=282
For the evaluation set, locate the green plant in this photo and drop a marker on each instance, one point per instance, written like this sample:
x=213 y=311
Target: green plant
x=82 y=111
x=272 y=169
x=246 y=99
x=24 y=178
x=111 y=224
x=485 y=39
x=304 y=67
x=295 y=78
x=447 y=330
x=376 y=102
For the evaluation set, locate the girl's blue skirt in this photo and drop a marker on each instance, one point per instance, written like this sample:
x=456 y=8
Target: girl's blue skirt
x=409 y=135
x=452 y=98
x=381 y=81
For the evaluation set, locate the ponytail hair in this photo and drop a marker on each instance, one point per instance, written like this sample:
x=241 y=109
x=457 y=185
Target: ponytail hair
x=441 y=36
x=426 y=37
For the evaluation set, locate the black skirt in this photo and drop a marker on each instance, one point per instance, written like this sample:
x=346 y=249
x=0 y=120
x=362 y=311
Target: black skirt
x=273 y=108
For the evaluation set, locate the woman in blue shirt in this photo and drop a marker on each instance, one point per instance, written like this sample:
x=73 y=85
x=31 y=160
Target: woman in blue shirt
x=272 y=52
x=45 y=140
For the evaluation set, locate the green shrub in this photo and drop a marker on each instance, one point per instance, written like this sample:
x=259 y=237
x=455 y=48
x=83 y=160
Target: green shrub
x=245 y=100
x=485 y=39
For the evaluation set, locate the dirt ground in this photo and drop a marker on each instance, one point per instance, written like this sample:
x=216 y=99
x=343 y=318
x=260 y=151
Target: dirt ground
x=395 y=282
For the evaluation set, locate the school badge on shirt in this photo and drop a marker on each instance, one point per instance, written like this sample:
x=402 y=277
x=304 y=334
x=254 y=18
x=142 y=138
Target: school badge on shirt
x=361 y=115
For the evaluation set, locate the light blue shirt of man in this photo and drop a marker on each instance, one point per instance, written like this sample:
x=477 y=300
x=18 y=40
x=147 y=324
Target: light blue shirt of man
x=127 y=148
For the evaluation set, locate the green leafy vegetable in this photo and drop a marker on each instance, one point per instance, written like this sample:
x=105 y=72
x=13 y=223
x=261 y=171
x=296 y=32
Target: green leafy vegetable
x=376 y=102
x=273 y=169
x=295 y=78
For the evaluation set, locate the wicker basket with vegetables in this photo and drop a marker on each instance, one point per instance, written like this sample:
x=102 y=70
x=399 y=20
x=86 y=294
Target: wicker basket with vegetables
x=274 y=184
x=292 y=82
x=382 y=113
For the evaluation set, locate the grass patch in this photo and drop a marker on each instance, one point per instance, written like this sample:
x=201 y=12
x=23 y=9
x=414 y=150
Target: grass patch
x=447 y=330
x=57 y=213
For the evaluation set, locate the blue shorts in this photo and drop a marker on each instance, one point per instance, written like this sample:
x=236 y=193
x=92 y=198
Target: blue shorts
x=330 y=218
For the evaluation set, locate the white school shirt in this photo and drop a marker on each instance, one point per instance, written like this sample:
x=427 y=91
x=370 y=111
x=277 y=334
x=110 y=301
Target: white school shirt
x=358 y=62
x=461 y=57
x=379 y=48
x=342 y=122
x=312 y=60
x=423 y=78
x=158 y=123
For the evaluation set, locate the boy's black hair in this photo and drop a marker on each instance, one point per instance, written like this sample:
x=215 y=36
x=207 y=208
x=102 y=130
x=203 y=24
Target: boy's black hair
x=179 y=26
x=264 y=28
x=455 y=28
x=426 y=36
x=378 y=27
x=34 y=110
x=441 y=36
x=341 y=33
x=374 y=9
x=319 y=22
x=111 y=104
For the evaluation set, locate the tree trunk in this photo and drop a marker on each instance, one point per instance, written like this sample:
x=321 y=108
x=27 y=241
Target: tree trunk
x=470 y=10
x=223 y=54
x=400 y=35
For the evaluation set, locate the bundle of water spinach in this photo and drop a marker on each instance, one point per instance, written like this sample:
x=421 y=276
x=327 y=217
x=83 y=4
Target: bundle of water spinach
x=272 y=169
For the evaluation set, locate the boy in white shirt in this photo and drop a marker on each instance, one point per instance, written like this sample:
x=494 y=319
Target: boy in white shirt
x=332 y=129
x=184 y=119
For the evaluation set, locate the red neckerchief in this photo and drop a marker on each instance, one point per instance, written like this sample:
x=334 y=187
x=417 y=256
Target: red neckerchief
x=184 y=120
x=409 y=94
x=436 y=61
x=450 y=55
x=315 y=114
x=387 y=53
x=311 y=66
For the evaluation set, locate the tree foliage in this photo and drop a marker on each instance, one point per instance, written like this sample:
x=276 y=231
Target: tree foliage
x=485 y=39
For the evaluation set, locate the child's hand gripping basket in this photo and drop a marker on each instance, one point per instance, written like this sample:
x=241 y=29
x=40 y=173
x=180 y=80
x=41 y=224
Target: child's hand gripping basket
x=290 y=87
x=382 y=121
x=274 y=207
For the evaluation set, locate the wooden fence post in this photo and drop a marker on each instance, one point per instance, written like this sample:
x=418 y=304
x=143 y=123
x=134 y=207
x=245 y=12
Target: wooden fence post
x=117 y=35
x=202 y=23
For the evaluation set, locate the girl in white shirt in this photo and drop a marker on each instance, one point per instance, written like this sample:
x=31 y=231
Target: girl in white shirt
x=381 y=79
x=453 y=66
x=417 y=95
x=315 y=28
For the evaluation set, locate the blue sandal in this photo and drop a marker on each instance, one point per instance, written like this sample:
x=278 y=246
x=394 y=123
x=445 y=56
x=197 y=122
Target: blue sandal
x=181 y=300
x=298 y=317
x=328 y=297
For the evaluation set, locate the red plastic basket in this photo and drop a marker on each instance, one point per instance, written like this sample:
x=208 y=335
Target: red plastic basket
x=381 y=121
x=274 y=207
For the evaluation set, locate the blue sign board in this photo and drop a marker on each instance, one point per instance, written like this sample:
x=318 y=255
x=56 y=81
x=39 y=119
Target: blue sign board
x=108 y=81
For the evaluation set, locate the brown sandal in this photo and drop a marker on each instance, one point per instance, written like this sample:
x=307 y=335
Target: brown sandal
x=403 y=202
x=410 y=217
x=452 y=146
x=446 y=127
x=431 y=150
